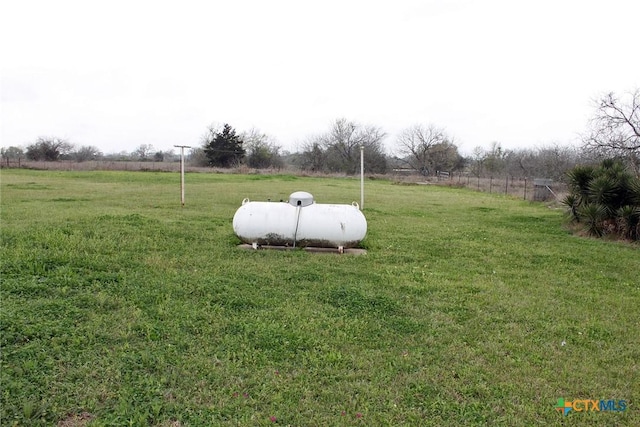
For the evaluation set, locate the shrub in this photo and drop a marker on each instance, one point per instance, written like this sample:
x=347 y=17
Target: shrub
x=606 y=199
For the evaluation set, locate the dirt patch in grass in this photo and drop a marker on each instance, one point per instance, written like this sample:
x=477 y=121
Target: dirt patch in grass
x=76 y=420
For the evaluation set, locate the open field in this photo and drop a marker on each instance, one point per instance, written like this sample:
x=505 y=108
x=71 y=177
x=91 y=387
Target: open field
x=516 y=187
x=119 y=307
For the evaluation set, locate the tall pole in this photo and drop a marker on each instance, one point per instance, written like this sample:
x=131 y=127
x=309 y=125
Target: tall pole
x=182 y=147
x=361 y=176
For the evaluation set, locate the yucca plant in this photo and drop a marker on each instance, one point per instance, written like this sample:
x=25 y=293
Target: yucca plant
x=579 y=179
x=571 y=201
x=605 y=190
x=634 y=192
x=628 y=220
x=606 y=199
x=623 y=179
x=593 y=216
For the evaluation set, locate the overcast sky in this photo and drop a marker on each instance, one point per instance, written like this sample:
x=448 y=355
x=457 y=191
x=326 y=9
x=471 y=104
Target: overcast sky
x=117 y=74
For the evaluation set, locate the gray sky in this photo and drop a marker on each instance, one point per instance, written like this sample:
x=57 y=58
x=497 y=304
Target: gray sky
x=118 y=74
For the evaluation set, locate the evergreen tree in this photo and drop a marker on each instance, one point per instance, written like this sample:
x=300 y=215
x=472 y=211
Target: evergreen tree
x=223 y=148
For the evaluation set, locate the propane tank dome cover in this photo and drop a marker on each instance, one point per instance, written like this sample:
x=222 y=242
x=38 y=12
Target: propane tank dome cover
x=300 y=198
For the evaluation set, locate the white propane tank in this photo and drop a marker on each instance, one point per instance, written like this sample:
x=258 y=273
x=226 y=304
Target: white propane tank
x=300 y=222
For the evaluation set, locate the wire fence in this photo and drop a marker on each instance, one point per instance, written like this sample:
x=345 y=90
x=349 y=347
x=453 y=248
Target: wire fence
x=533 y=189
x=523 y=188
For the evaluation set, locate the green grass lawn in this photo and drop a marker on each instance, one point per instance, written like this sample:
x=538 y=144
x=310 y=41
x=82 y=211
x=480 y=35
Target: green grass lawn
x=119 y=307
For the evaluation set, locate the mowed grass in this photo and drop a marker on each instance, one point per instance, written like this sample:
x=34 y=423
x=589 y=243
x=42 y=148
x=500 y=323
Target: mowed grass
x=119 y=307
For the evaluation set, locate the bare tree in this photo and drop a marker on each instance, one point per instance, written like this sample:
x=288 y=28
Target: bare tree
x=343 y=144
x=555 y=160
x=143 y=152
x=262 y=150
x=339 y=149
x=11 y=153
x=549 y=161
x=477 y=161
x=615 y=128
x=418 y=146
x=520 y=163
x=313 y=157
x=87 y=152
x=495 y=159
x=49 y=149
x=197 y=157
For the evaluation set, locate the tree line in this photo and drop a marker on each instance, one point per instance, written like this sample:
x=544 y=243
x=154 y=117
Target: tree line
x=426 y=149
x=53 y=149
